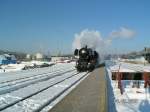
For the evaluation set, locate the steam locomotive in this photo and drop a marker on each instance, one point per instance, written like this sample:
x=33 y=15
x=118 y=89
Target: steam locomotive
x=87 y=59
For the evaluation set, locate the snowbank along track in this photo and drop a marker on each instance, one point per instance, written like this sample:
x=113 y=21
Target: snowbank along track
x=43 y=89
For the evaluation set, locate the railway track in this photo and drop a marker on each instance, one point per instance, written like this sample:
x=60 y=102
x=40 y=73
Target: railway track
x=59 y=94
x=44 y=88
x=14 y=81
x=13 y=86
x=28 y=74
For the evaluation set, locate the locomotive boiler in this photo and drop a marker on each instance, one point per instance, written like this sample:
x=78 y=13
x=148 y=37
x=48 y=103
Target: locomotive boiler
x=87 y=59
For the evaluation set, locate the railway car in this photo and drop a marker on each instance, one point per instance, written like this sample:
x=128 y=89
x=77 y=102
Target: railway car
x=87 y=59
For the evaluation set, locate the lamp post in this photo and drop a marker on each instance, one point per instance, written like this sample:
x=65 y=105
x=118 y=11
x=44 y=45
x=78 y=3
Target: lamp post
x=145 y=56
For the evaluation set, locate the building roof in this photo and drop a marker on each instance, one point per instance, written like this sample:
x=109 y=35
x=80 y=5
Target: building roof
x=2 y=57
x=7 y=56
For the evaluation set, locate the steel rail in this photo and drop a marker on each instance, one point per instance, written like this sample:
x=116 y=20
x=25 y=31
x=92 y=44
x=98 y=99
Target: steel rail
x=33 y=81
x=27 y=76
x=35 y=93
x=59 y=94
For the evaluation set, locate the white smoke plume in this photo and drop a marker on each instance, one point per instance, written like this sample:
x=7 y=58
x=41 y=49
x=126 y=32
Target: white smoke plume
x=94 y=40
x=122 y=33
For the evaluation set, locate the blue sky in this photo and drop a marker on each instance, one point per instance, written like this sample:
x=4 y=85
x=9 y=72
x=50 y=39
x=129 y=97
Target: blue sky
x=50 y=25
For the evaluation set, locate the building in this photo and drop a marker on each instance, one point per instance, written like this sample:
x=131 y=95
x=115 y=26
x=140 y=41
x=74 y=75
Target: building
x=28 y=56
x=7 y=59
x=39 y=56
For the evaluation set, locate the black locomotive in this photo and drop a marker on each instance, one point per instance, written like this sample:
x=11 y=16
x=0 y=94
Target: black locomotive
x=87 y=59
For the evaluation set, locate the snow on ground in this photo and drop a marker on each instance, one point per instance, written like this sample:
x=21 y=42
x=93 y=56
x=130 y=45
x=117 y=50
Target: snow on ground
x=24 y=65
x=11 y=67
x=26 y=86
x=133 y=99
x=20 y=74
x=39 y=99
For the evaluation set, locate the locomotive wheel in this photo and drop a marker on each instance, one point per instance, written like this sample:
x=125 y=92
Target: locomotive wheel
x=91 y=68
x=78 y=69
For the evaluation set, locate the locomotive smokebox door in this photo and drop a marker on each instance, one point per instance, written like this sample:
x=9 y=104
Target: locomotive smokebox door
x=76 y=52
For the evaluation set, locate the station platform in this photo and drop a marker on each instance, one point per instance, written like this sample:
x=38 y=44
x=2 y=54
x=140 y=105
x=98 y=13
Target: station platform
x=89 y=96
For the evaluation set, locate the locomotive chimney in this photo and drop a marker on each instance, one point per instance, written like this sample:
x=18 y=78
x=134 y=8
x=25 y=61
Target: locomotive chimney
x=86 y=46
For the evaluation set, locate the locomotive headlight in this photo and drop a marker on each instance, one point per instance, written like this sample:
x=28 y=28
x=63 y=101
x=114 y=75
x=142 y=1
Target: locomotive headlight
x=83 y=51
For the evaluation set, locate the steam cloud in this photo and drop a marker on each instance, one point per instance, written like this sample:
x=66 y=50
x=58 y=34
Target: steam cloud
x=122 y=33
x=94 y=40
x=90 y=38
